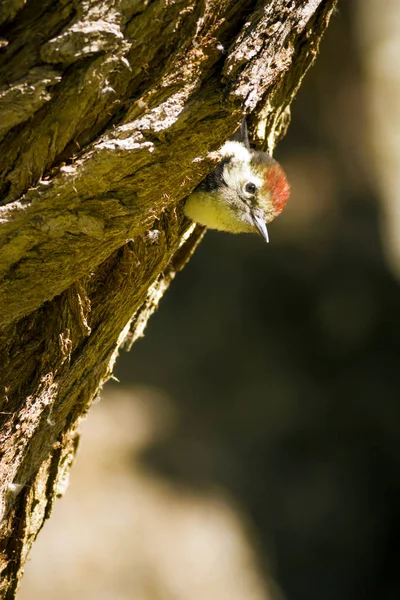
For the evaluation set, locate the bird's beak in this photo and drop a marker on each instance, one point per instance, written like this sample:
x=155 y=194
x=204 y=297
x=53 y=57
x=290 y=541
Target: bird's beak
x=261 y=227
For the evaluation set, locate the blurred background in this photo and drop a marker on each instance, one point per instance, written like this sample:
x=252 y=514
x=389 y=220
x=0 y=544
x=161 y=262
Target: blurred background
x=252 y=448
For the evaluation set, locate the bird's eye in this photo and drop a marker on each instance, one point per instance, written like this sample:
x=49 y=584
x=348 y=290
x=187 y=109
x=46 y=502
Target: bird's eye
x=250 y=188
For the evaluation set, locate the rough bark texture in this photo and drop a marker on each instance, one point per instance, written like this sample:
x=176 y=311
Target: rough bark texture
x=108 y=112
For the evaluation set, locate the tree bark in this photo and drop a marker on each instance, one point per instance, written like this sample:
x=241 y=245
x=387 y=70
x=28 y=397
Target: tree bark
x=109 y=113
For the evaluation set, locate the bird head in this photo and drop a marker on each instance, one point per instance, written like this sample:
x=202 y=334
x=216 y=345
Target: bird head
x=246 y=191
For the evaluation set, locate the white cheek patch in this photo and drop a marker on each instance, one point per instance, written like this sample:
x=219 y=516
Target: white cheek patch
x=237 y=173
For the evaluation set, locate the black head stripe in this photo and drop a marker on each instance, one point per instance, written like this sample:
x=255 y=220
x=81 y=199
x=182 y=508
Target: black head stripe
x=214 y=180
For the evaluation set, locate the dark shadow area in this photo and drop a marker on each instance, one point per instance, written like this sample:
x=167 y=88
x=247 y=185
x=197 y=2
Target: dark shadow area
x=283 y=360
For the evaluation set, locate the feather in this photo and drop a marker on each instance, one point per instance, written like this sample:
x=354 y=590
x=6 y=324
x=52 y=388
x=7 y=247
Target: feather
x=241 y=135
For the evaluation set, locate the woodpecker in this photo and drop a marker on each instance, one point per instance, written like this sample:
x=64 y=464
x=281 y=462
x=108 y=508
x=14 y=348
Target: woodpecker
x=244 y=192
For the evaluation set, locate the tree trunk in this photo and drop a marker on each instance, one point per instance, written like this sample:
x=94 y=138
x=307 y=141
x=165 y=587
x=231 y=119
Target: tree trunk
x=108 y=110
